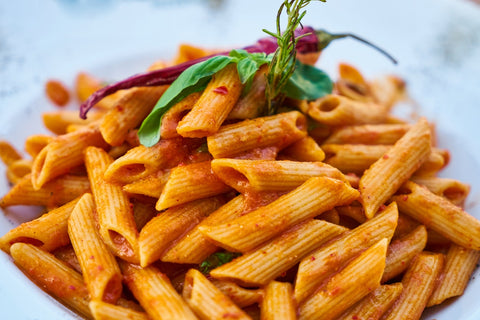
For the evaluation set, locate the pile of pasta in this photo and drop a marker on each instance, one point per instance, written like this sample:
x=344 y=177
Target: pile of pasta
x=332 y=209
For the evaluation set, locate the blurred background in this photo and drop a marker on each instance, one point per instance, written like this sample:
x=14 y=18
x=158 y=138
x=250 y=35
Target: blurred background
x=437 y=44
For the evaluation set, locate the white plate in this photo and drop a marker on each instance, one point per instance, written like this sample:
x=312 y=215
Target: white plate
x=436 y=42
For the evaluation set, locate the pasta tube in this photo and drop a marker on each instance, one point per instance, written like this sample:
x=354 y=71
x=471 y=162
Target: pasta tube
x=278 y=302
x=313 y=197
x=269 y=261
x=99 y=267
x=359 y=278
x=279 y=130
x=207 y=301
x=155 y=293
x=270 y=175
x=418 y=284
x=318 y=265
x=53 y=276
x=214 y=105
x=115 y=215
x=389 y=172
x=439 y=215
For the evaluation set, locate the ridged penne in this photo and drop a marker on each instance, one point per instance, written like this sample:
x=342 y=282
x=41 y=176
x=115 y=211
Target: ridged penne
x=267 y=262
x=141 y=161
x=175 y=114
x=115 y=213
x=370 y=134
x=99 y=267
x=395 y=167
x=251 y=104
x=359 y=278
x=402 y=251
x=242 y=297
x=62 y=154
x=106 y=311
x=337 y=110
x=48 y=232
x=459 y=266
x=278 y=130
x=305 y=149
x=128 y=112
x=149 y=286
x=35 y=143
x=152 y=185
x=57 y=122
x=439 y=215
x=190 y=182
x=278 y=302
x=53 y=276
x=270 y=175
x=316 y=267
x=373 y=306
x=161 y=231
x=313 y=197
x=214 y=105
x=194 y=246
x=452 y=189
x=57 y=192
x=418 y=284
x=8 y=153
x=207 y=301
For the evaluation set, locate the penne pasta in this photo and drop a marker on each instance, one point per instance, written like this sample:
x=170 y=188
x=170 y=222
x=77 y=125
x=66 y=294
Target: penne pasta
x=207 y=301
x=128 y=112
x=252 y=104
x=452 y=189
x=418 y=284
x=369 y=134
x=141 y=161
x=55 y=193
x=47 y=232
x=373 y=306
x=270 y=175
x=240 y=296
x=99 y=267
x=161 y=231
x=106 y=311
x=62 y=154
x=389 y=172
x=190 y=182
x=115 y=213
x=267 y=262
x=459 y=266
x=194 y=246
x=53 y=276
x=305 y=149
x=439 y=215
x=150 y=286
x=337 y=110
x=214 y=105
x=313 y=197
x=279 y=131
x=359 y=278
x=278 y=302
x=315 y=268
x=402 y=251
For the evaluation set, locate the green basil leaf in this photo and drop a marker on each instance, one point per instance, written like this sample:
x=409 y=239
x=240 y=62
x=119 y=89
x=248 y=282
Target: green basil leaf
x=307 y=83
x=238 y=54
x=246 y=70
x=216 y=260
x=193 y=79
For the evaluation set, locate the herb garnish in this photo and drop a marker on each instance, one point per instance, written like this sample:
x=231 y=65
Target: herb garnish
x=283 y=62
x=216 y=260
